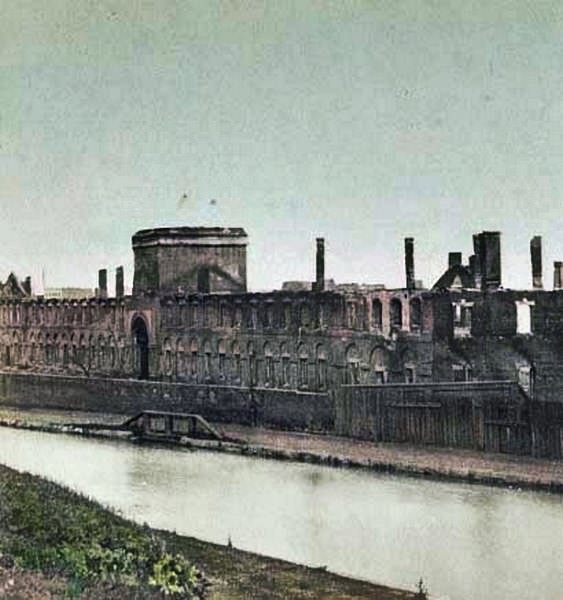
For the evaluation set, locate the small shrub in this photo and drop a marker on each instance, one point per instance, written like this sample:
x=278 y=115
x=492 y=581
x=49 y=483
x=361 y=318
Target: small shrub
x=174 y=575
x=51 y=529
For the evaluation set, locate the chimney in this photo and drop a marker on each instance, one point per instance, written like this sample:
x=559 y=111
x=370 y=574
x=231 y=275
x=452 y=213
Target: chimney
x=27 y=285
x=320 y=273
x=492 y=272
x=487 y=250
x=476 y=266
x=557 y=275
x=454 y=259
x=409 y=262
x=535 y=253
x=102 y=283
x=119 y=285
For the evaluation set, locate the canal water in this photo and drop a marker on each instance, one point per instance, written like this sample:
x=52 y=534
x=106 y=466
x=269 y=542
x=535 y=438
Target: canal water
x=466 y=542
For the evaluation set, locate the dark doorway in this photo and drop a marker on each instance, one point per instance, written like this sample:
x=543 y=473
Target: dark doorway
x=141 y=338
x=203 y=280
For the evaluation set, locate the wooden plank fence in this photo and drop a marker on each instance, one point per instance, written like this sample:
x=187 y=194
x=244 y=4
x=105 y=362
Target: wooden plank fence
x=494 y=416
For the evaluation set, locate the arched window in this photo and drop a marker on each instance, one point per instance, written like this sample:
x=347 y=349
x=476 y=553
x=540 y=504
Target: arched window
x=207 y=359
x=409 y=366
x=180 y=358
x=268 y=365
x=237 y=321
x=268 y=315
x=81 y=352
x=101 y=352
x=380 y=364
x=415 y=314
x=221 y=353
x=121 y=353
x=93 y=354
x=40 y=349
x=112 y=343
x=225 y=319
x=304 y=315
x=194 y=358
x=251 y=316
x=352 y=365
x=252 y=371
x=285 y=366
x=321 y=368
x=56 y=349
x=396 y=314
x=303 y=371
x=73 y=349
x=48 y=349
x=192 y=314
x=284 y=314
x=237 y=375
x=351 y=315
x=167 y=358
x=205 y=314
x=64 y=350
x=376 y=314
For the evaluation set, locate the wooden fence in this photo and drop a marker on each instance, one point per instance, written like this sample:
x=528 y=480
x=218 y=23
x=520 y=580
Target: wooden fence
x=493 y=416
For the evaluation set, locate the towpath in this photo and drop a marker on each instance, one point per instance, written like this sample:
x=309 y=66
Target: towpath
x=446 y=463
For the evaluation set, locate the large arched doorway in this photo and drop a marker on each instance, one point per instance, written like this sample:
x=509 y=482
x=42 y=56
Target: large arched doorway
x=141 y=341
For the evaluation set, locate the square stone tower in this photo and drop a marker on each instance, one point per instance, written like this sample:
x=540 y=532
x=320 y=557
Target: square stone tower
x=169 y=260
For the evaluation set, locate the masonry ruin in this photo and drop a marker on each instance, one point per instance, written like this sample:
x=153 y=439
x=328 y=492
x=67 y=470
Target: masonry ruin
x=190 y=321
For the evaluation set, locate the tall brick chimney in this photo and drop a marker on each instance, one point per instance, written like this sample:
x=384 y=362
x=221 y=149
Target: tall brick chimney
x=476 y=262
x=535 y=253
x=557 y=275
x=320 y=270
x=454 y=259
x=27 y=285
x=409 y=262
x=119 y=283
x=102 y=283
x=488 y=264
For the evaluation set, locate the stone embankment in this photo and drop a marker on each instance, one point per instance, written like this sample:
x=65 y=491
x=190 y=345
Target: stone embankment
x=438 y=463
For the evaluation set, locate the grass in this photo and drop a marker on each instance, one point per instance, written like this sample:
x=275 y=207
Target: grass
x=47 y=528
x=64 y=541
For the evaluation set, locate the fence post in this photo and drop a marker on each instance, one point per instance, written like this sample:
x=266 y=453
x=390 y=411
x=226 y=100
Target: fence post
x=478 y=424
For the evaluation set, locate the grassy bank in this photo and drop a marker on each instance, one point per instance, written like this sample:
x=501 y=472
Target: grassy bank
x=56 y=544
x=47 y=528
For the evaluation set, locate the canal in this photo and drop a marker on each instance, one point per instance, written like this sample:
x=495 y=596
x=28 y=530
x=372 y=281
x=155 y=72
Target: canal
x=467 y=542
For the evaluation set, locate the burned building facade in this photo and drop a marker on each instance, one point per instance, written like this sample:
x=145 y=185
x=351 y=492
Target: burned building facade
x=190 y=319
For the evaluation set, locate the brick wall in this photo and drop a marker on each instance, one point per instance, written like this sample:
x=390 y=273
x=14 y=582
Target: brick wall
x=269 y=407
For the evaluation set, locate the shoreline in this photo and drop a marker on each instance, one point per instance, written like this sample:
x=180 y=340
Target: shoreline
x=229 y=573
x=421 y=462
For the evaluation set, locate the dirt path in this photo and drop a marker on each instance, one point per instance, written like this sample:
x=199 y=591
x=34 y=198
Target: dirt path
x=495 y=469
x=459 y=464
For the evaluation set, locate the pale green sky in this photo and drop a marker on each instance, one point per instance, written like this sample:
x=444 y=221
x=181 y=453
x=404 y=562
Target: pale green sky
x=363 y=121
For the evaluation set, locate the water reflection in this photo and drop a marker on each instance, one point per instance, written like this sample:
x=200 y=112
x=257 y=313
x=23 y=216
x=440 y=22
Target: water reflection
x=466 y=541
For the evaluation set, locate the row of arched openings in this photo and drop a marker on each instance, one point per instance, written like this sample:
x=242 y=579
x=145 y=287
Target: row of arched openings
x=228 y=362
x=95 y=351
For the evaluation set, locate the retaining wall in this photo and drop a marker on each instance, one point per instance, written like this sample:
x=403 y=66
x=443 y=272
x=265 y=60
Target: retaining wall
x=494 y=416
x=276 y=408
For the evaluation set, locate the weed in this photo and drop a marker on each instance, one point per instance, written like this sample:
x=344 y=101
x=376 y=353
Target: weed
x=52 y=529
x=421 y=590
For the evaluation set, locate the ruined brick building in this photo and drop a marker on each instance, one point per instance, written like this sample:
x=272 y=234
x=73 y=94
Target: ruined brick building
x=190 y=320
